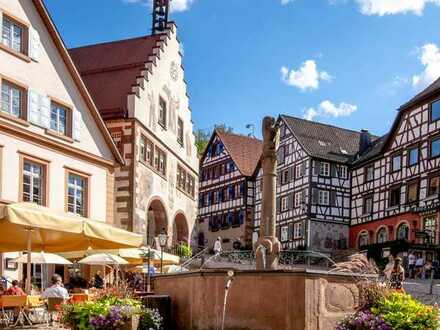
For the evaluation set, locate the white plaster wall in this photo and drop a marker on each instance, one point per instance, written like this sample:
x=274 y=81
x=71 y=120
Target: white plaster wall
x=50 y=77
x=9 y=175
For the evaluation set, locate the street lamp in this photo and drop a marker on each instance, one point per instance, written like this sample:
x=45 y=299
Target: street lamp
x=163 y=238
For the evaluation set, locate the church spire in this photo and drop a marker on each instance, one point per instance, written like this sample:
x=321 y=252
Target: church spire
x=160 y=15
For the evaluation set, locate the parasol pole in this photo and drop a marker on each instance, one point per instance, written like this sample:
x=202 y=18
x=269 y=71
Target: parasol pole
x=103 y=275
x=28 y=268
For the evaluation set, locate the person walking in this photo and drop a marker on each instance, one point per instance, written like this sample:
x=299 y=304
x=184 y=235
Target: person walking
x=397 y=275
x=420 y=262
x=217 y=247
x=411 y=264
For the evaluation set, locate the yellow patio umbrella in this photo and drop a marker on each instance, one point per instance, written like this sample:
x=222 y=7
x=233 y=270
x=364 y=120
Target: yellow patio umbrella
x=30 y=227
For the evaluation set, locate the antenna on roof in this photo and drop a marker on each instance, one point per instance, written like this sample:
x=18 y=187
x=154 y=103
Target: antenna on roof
x=160 y=15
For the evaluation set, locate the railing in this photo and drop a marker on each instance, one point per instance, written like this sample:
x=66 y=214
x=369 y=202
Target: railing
x=199 y=255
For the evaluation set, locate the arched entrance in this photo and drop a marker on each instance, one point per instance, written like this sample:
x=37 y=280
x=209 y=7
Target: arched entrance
x=180 y=229
x=157 y=221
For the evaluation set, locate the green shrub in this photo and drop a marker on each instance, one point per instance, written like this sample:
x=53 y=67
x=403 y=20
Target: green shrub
x=184 y=250
x=403 y=312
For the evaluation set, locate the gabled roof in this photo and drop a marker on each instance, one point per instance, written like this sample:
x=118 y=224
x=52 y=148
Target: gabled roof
x=372 y=152
x=42 y=10
x=324 y=141
x=245 y=151
x=110 y=70
x=427 y=92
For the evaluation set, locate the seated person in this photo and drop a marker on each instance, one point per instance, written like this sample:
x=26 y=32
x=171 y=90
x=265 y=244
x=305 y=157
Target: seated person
x=56 y=290
x=15 y=290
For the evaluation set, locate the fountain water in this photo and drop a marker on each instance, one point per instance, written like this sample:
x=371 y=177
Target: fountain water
x=227 y=287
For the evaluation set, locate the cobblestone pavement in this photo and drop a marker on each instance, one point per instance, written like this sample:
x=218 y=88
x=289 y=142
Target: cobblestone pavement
x=420 y=289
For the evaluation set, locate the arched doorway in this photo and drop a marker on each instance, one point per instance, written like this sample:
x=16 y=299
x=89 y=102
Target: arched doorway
x=180 y=229
x=157 y=221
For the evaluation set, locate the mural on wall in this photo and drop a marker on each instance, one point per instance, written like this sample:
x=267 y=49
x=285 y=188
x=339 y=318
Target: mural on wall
x=152 y=115
x=328 y=236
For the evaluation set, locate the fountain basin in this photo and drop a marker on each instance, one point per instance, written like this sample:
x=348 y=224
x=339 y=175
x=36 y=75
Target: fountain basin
x=260 y=300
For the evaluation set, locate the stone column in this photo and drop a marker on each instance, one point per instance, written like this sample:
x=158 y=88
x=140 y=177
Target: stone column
x=268 y=247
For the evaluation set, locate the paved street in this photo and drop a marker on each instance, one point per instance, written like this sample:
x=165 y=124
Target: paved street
x=420 y=289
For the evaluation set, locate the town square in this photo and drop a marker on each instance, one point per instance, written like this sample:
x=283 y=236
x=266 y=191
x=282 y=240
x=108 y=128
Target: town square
x=220 y=164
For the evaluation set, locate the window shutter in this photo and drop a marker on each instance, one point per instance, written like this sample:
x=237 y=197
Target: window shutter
x=77 y=125
x=45 y=111
x=316 y=165
x=333 y=198
x=290 y=233
x=315 y=195
x=291 y=173
x=303 y=168
x=291 y=200
x=278 y=206
x=333 y=170
x=34 y=108
x=34 y=44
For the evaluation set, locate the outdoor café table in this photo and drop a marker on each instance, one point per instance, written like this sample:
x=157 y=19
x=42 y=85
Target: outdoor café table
x=34 y=301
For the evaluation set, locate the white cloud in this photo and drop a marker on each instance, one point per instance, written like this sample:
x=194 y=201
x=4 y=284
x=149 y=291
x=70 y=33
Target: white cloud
x=306 y=77
x=430 y=59
x=392 y=7
x=286 y=2
x=329 y=109
x=175 y=5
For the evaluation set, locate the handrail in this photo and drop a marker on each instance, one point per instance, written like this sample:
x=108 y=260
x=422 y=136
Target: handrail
x=198 y=254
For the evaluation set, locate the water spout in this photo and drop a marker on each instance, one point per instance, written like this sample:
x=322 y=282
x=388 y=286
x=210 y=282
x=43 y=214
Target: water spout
x=227 y=287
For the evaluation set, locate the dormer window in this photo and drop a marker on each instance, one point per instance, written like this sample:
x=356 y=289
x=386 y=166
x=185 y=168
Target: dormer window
x=324 y=169
x=13 y=34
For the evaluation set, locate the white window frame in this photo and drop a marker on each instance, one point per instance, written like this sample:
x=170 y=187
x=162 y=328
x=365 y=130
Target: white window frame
x=33 y=177
x=299 y=196
x=10 y=89
x=284 y=233
x=297 y=230
x=11 y=40
x=323 y=197
x=343 y=172
x=57 y=108
x=284 y=203
x=180 y=131
x=324 y=169
x=74 y=208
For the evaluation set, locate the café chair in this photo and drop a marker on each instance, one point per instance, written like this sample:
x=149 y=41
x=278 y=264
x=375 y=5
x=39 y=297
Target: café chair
x=18 y=304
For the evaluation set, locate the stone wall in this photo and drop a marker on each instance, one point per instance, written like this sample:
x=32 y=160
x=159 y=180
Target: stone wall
x=281 y=300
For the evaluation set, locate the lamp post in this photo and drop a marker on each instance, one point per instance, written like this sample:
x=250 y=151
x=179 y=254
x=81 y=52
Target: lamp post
x=163 y=238
x=148 y=260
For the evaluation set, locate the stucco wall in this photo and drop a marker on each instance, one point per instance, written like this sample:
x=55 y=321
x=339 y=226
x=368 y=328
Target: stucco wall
x=259 y=300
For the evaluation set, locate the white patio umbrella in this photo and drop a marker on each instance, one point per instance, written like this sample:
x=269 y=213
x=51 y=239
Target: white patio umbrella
x=104 y=259
x=43 y=258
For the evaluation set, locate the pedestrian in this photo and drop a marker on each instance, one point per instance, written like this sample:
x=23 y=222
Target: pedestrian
x=427 y=270
x=15 y=290
x=420 y=262
x=411 y=264
x=99 y=282
x=218 y=247
x=397 y=275
x=389 y=267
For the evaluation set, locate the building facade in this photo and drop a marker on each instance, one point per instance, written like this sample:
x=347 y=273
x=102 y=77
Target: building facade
x=313 y=186
x=395 y=182
x=139 y=87
x=226 y=192
x=54 y=147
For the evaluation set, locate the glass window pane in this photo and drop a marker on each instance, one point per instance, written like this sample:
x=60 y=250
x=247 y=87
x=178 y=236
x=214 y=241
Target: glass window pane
x=435 y=148
x=435 y=111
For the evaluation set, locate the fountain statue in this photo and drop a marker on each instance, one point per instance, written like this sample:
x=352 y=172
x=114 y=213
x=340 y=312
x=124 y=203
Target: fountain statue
x=268 y=246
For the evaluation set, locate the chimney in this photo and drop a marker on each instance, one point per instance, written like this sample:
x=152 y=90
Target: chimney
x=161 y=10
x=364 y=141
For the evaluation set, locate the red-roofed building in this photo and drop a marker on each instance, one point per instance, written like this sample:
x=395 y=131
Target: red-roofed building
x=139 y=88
x=226 y=194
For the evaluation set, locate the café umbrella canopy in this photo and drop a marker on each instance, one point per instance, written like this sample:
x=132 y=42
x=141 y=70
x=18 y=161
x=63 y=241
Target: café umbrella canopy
x=30 y=227
x=42 y=258
x=103 y=259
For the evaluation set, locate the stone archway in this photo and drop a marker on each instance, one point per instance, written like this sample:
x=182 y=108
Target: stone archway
x=157 y=221
x=180 y=229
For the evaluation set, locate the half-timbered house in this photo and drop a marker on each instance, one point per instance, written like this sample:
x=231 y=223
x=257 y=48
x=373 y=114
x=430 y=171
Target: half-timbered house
x=395 y=180
x=313 y=186
x=139 y=87
x=226 y=193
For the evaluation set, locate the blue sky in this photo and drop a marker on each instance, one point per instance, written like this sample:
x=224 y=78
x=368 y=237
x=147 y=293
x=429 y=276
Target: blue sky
x=350 y=63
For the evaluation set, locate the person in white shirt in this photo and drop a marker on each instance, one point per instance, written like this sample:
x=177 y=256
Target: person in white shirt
x=420 y=262
x=218 y=246
x=56 y=290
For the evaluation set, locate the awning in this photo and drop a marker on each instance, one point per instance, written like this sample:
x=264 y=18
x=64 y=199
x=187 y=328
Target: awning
x=53 y=231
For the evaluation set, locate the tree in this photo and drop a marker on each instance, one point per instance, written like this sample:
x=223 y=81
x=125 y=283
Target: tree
x=203 y=136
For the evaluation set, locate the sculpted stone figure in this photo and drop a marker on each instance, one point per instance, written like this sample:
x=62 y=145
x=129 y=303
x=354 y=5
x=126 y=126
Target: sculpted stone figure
x=268 y=246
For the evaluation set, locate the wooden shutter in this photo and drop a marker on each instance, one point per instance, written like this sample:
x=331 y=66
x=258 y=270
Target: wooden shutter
x=333 y=198
x=278 y=206
x=77 y=125
x=291 y=173
x=290 y=232
x=333 y=170
x=303 y=168
x=34 y=50
x=34 y=108
x=315 y=195
x=291 y=201
x=45 y=111
x=316 y=166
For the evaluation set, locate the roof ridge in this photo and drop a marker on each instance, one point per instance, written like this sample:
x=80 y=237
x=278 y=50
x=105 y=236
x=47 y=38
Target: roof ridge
x=322 y=124
x=116 y=41
x=238 y=135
